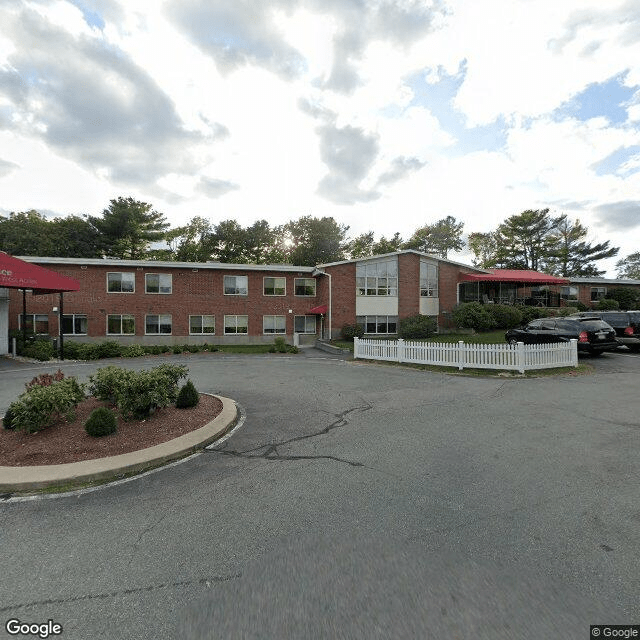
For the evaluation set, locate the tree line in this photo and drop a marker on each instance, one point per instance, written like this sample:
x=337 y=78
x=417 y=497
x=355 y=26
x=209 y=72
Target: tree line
x=130 y=229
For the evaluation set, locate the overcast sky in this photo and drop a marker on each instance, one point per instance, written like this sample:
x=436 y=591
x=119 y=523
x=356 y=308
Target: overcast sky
x=385 y=114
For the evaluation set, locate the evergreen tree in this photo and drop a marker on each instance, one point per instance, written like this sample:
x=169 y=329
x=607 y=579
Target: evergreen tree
x=439 y=238
x=629 y=267
x=128 y=227
x=484 y=247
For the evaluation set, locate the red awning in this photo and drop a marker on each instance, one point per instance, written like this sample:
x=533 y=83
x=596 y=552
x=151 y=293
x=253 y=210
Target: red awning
x=18 y=274
x=321 y=310
x=514 y=275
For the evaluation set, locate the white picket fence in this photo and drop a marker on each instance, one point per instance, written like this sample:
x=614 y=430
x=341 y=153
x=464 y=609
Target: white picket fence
x=521 y=357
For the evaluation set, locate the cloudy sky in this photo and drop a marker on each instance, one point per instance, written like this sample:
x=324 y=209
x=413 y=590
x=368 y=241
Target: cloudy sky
x=386 y=114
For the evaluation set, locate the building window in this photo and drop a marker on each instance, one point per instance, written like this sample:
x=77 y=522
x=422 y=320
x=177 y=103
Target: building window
x=236 y=286
x=157 y=324
x=121 y=325
x=121 y=282
x=597 y=293
x=236 y=324
x=74 y=324
x=305 y=286
x=377 y=278
x=428 y=280
x=36 y=322
x=275 y=286
x=158 y=283
x=274 y=324
x=569 y=293
x=202 y=324
x=378 y=324
x=304 y=324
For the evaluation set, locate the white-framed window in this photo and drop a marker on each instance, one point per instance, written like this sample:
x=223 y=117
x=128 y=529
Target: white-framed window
x=597 y=293
x=158 y=283
x=378 y=278
x=157 y=324
x=428 y=279
x=236 y=285
x=305 y=286
x=121 y=325
x=304 y=324
x=36 y=322
x=202 y=324
x=569 y=293
x=274 y=286
x=121 y=282
x=378 y=324
x=274 y=324
x=236 y=324
x=74 y=324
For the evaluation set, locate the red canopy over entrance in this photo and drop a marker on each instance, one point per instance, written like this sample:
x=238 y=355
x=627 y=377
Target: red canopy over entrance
x=18 y=274
x=321 y=310
x=514 y=275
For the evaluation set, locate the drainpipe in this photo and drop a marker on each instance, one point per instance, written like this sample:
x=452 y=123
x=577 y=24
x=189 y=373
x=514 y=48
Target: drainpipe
x=319 y=272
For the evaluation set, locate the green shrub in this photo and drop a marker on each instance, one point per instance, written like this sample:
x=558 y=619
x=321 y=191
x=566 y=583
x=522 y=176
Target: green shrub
x=581 y=306
x=41 y=350
x=272 y=349
x=417 y=327
x=133 y=351
x=148 y=349
x=40 y=407
x=101 y=422
x=106 y=382
x=627 y=298
x=89 y=351
x=188 y=396
x=177 y=348
x=109 y=349
x=607 y=304
x=292 y=349
x=165 y=348
x=71 y=350
x=7 y=421
x=193 y=348
x=533 y=313
x=211 y=348
x=473 y=315
x=351 y=331
x=504 y=315
x=567 y=311
x=280 y=344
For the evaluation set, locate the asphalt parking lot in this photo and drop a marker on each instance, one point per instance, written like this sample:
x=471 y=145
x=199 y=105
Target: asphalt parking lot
x=355 y=500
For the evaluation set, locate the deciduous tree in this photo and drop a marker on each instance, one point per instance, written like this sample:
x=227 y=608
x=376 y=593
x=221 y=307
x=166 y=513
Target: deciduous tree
x=629 y=267
x=438 y=238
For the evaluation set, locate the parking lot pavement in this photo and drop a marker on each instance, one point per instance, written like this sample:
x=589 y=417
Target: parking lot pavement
x=356 y=499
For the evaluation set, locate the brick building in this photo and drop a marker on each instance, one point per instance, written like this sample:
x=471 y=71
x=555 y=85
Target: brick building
x=153 y=302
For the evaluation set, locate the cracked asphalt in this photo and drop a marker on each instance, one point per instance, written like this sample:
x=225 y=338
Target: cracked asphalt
x=355 y=501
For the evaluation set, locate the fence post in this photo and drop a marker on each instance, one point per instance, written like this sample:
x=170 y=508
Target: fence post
x=400 y=350
x=356 y=342
x=520 y=356
x=574 y=352
x=461 y=358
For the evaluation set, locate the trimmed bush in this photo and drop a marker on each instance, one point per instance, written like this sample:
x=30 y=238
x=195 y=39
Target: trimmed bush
x=177 y=348
x=473 y=315
x=272 y=349
x=351 y=331
x=41 y=350
x=71 y=350
x=188 y=396
x=292 y=349
x=533 y=313
x=40 y=407
x=109 y=349
x=101 y=422
x=106 y=382
x=280 y=344
x=504 y=315
x=7 y=421
x=417 y=327
x=194 y=348
x=133 y=351
x=88 y=351
x=607 y=304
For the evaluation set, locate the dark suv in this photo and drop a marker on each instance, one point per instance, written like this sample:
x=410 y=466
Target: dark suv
x=593 y=334
x=625 y=323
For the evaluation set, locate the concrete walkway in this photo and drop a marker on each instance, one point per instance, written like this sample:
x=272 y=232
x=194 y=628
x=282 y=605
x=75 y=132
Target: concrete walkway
x=21 y=479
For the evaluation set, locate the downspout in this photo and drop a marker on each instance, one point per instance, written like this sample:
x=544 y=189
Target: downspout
x=60 y=332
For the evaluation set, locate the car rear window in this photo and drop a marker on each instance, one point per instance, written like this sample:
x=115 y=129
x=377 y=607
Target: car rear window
x=589 y=324
x=616 y=319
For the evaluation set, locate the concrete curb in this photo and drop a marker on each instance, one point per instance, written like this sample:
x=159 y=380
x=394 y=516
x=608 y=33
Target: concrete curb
x=20 y=479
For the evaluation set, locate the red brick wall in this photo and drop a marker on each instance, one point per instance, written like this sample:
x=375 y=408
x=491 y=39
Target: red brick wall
x=195 y=292
x=408 y=285
x=343 y=288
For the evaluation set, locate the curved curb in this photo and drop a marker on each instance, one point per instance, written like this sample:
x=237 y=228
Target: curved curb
x=17 y=479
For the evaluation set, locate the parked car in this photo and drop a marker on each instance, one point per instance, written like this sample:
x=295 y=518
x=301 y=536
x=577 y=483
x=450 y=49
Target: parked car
x=625 y=323
x=593 y=334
